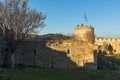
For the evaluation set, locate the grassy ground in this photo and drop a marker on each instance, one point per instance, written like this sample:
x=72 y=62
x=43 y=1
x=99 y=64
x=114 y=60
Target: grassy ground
x=114 y=58
x=58 y=74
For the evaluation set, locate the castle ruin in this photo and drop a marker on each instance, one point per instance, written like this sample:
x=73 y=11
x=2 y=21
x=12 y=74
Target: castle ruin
x=74 y=52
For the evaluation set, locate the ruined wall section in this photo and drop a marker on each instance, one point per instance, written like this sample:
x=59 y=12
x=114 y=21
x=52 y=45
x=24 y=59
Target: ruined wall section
x=115 y=42
x=79 y=52
x=84 y=33
x=38 y=54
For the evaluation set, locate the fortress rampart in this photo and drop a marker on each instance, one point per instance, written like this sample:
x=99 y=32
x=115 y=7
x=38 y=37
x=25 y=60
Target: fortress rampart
x=115 y=42
x=108 y=39
x=86 y=33
x=53 y=52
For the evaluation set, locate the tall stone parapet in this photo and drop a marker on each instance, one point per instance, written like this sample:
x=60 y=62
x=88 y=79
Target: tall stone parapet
x=84 y=33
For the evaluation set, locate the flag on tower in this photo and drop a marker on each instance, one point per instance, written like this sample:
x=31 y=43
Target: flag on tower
x=85 y=17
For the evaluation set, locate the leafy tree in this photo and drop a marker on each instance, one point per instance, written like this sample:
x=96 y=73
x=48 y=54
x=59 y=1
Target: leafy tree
x=17 y=20
x=110 y=48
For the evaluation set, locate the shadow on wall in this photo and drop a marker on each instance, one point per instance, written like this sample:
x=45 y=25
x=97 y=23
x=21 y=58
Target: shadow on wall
x=37 y=54
x=107 y=62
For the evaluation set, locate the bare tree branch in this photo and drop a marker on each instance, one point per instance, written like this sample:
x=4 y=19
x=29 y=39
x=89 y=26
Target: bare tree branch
x=17 y=20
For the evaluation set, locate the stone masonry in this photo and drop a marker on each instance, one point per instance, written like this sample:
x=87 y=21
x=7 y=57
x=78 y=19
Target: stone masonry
x=74 y=52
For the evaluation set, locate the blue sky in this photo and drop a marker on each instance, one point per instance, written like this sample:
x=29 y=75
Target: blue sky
x=64 y=15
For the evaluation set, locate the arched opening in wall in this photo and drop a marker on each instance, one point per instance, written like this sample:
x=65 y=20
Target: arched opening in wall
x=68 y=51
x=114 y=50
x=104 y=52
x=110 y=48
x=99 y=47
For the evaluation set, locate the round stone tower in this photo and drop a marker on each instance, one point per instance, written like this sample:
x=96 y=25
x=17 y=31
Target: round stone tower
x=84 y=33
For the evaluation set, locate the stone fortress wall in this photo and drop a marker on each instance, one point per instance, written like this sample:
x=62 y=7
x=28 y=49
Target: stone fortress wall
x=86 y=33
x=79 y=52
x=76 y=52
x=80 y=48
x=115 y=42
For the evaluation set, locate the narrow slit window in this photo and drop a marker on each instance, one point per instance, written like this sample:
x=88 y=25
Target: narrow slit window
x=35 y=51
x=68 y=51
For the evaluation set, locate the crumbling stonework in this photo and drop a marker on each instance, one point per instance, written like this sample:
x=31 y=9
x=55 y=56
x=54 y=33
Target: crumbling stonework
x=58 y=51
x=43 y=56
x=104 y=42
x=80 y=52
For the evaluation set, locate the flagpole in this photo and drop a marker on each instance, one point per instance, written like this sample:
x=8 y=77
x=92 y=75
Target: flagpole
x=85 y=18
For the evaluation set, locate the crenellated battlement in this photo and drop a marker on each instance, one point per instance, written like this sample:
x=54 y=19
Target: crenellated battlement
x=104 y=42
x=85 y=27
x=84 y=33
x=108 y=39
x=60 y=51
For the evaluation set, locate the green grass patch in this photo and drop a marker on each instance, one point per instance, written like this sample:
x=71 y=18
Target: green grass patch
x=114 y=58
x=58 y=74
